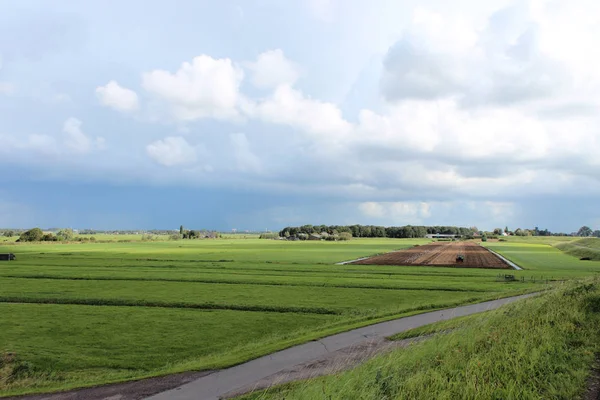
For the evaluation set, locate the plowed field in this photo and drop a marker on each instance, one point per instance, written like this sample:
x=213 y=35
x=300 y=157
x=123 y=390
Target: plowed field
x=440 y=254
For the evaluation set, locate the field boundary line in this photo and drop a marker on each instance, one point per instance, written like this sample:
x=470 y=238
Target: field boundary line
x=506 y=260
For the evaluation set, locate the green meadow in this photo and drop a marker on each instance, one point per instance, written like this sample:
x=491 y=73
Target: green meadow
x=80 y=314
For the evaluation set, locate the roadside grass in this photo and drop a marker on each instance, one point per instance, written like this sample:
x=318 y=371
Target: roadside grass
x=438 y=327
x=538 y=348
x=582 y=248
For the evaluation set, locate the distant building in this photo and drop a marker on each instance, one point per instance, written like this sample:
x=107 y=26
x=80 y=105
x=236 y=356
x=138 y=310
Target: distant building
x=441 y=236
x=314 y=236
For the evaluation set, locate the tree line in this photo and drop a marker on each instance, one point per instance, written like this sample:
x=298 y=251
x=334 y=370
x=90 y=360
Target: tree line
x=373 y=231
x=37 y=235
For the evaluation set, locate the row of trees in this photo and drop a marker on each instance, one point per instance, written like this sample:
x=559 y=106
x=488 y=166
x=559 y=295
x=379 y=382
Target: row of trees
x=370 y=231
x=37 y=235
x=194 y=234
x=584 y=231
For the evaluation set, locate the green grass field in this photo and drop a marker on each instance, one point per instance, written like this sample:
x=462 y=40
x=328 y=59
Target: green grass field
x=78 y=314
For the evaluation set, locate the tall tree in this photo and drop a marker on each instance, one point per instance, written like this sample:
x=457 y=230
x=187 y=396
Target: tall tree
x=584 y=231
x=181 y=230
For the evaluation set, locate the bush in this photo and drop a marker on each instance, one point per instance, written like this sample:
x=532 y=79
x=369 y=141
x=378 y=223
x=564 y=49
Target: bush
x=345 y=236
x=269 y=235
x=175 y=236
x=48 y=237
x=32 y=235
x=65 y=235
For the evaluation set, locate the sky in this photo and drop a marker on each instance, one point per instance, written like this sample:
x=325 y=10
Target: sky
x=258 y=114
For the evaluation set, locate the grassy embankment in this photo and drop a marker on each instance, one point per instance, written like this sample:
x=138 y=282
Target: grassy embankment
x=583 y=248
x=539 y=348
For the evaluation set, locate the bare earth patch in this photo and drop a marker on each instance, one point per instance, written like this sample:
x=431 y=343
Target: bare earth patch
x=120 y=391
x=440 y=254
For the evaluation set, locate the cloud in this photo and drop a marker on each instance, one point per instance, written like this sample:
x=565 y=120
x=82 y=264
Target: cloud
x=206 y=87
x=7 y=88
x=77 y=141
x=172 y=151
x=288 y=106
x=398 y=212
x=117 y=97
x=272 y=69
x=246 y=160
x=440 y=57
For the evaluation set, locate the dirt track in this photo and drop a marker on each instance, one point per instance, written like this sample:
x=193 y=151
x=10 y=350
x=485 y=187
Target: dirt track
x=440 y=254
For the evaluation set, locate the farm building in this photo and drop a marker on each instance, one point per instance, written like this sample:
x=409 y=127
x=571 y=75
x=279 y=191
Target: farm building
x=314 y=236
x=441 y=236
x=7 y=257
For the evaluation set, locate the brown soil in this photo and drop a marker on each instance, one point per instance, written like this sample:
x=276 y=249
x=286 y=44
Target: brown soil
x=120 y=391
x=440 y=254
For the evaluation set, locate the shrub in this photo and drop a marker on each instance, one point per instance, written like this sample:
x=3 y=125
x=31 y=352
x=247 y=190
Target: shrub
x=32 y=235
x=302 y=236
x=65 y=235
x=48 y=237
x=269 y=235
x=345 y=236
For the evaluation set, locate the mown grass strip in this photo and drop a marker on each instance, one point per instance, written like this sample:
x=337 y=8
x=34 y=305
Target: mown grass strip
x=232 y=282
x=161 y=304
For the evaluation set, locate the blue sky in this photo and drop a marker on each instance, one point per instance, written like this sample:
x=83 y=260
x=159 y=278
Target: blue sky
x=260 y=114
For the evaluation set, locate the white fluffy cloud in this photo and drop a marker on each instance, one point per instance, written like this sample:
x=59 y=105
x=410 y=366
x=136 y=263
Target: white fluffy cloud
x=288 y=106
x=117 y=97
x=502 y=63
x=206 y=87
x=172 y=151
x=272 y=69
x=76 y=140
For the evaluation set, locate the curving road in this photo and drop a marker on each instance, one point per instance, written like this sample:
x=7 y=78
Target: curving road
x=255 y=373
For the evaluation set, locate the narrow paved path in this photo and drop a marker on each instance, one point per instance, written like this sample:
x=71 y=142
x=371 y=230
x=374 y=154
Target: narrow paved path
x=232 y=380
